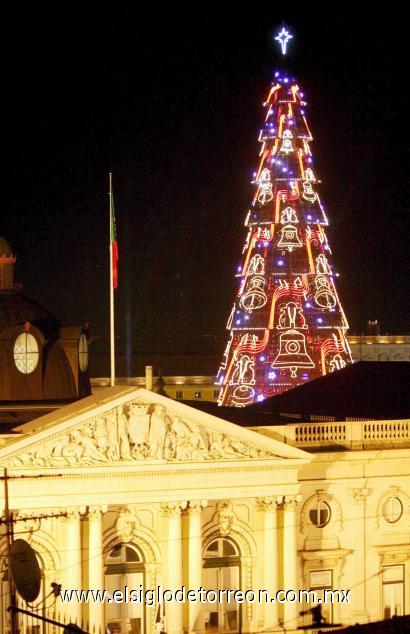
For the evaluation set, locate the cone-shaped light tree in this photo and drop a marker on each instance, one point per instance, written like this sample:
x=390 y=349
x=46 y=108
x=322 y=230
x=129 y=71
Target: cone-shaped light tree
x=287 y=325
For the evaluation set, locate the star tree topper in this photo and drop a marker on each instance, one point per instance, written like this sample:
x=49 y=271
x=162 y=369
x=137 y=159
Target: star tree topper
x=283 y=38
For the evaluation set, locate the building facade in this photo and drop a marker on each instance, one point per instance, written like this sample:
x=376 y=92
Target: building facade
x=203 y=387
x=146 y=492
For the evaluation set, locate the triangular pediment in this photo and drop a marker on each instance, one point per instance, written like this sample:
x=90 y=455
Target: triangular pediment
x=123 y=425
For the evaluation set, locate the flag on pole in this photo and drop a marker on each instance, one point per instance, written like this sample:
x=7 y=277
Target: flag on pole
x=114 y=244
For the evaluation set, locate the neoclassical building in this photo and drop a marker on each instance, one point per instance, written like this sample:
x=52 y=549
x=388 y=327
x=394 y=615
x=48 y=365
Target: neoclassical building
x=144 y=491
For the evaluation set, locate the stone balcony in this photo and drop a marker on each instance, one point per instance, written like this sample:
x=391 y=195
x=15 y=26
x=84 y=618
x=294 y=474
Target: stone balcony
x=324 y=435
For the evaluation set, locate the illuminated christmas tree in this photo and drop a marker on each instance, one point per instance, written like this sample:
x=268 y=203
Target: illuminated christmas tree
x=287 y=325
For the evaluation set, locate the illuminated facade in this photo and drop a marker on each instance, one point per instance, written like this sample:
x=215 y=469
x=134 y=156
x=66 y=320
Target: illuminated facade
x=287 y=325
x=150 y=491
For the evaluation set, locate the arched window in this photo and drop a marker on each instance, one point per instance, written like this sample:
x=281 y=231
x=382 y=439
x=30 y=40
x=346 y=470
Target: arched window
x=125 y=567
x=222 y=572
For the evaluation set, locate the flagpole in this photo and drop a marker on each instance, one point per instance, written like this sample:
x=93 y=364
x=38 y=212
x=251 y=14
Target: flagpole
x=112 y=338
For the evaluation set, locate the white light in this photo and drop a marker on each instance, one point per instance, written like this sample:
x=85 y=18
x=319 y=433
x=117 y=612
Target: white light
x=283 y=38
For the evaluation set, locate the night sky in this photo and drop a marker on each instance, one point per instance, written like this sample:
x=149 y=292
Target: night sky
x=171 y=103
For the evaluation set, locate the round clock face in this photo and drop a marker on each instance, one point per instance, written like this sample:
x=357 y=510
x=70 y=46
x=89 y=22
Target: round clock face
x=83 y=353
x=26 y=353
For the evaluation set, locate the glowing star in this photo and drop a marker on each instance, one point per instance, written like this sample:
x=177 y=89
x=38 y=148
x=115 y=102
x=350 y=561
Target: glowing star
x=283 y=38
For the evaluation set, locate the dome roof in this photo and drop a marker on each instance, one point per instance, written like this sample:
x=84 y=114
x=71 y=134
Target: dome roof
x=5 y=248
x=16 y=308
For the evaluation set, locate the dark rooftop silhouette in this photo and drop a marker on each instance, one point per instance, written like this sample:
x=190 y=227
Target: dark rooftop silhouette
x=365 y=390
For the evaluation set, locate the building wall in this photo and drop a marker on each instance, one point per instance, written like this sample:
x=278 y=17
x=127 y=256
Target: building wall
x=204 y=388
x=269 y=519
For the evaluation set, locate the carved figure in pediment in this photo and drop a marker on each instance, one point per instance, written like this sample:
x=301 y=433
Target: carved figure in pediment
x=112 y=426
x=220 y=446
x=85 y=446
x=138 y=425
x=100 y=434
x=124 y=444
x=185 y=443
x=157 y=431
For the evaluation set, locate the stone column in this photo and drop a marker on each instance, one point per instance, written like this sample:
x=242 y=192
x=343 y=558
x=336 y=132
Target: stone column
x=173 y=573
x=290 y=560
x=270 y=558
x=96 y=616
x=72 y=563
x=357 y=510
x=196 y=612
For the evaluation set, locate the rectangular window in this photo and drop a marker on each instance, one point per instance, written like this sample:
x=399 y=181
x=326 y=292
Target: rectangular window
x=393 y=591
x=321 y=580
x=179 y=394
x=198 y=394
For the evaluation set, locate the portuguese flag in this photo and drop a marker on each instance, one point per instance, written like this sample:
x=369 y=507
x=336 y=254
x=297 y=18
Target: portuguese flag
x=113 y=239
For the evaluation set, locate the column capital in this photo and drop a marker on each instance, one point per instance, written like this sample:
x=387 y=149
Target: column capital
x=196 y=507
x=268 y=503
x=95 y=513
x=74 y=512
x=291 y=501
x=174 y=508
x=359 y=495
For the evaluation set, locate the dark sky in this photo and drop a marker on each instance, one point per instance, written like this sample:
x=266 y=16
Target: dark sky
x=171 y=103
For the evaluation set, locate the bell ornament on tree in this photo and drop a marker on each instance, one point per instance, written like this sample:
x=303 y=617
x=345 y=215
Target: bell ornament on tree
x=287 y=146
x=308 y=193
x=289 y=238
x=292 y=352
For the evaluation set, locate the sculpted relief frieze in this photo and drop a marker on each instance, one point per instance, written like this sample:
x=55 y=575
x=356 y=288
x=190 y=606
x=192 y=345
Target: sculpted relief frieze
x=134 y=432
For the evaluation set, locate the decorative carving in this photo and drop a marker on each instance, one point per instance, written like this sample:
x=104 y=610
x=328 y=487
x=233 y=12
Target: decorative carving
x=134 y=432
x=360 y=495
x=226 y=517
x=127 y=522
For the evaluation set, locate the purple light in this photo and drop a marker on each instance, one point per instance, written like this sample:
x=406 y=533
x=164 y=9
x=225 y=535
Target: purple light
x=319 y=320
x=277 y=74
x=337 y=274
x=284 y=169
x=261 y=397
x=310 y=160
x=239 y=269
x=308 y=305
x=280 y=262
x=272 y=375
x=262 y=358
x=302 y=112
x=309 y=217
x=286 y=80
x=238 y=321
x=246 y=317
x=266 y=243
